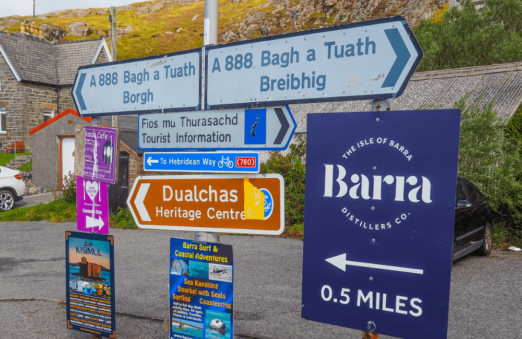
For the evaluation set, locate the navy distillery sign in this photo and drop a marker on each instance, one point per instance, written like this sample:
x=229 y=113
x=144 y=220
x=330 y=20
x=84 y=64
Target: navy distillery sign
x=379 y=215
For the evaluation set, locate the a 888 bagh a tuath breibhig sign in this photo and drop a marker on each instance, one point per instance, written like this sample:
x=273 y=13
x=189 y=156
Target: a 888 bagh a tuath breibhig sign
x=379 y=216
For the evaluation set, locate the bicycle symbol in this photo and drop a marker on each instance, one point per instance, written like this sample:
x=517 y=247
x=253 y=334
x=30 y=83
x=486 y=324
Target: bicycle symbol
x=225 y=161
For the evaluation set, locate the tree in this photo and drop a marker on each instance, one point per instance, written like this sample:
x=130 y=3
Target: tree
x=472 y=37
x=489 y=157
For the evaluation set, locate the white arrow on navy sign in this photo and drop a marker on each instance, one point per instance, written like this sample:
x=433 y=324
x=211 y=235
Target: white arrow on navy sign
x=266 y=128
x=365 y=60
x=165 y=83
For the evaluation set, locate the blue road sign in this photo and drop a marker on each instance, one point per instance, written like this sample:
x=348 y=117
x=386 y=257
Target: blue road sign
x=366 y=60
x=269 y=128
x=215 y=162
x=164 y=83
x=379 y=216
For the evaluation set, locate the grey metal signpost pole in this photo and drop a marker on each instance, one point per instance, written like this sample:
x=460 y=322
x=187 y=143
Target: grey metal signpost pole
x=210 y=37
x=114 y=54
x=377 y=105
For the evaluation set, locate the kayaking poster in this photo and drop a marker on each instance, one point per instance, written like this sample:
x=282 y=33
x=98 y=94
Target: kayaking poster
x=201 y=290
x=90 y=283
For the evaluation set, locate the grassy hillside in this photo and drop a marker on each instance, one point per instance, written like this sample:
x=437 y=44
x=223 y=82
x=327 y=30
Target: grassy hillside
x=148 y=36
x=174 y=27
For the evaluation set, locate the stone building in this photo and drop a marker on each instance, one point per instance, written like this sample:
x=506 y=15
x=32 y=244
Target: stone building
x=36 y=78
x=53 y=146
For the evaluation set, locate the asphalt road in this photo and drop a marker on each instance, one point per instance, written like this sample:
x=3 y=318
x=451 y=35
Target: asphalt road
x=485 y=292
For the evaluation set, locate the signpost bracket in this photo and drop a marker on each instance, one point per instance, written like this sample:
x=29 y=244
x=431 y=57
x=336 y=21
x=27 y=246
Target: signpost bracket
x=381 y=105
x=207 y=237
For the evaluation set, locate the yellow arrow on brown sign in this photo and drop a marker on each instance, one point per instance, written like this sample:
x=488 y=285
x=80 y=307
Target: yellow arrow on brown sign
x=252 y=204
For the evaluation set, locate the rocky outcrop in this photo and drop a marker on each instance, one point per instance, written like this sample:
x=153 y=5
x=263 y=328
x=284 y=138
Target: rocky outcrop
x=317 y=14
x=149 y=8
x=181 y=2
x=78 y=28
x=10 y=22
x=52 y=32
x=120 y=32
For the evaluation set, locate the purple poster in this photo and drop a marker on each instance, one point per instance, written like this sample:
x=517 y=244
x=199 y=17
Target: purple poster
x=92 y=206
x=100 y=160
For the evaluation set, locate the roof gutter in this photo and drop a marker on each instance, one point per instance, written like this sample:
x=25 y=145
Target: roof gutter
x=10 y=64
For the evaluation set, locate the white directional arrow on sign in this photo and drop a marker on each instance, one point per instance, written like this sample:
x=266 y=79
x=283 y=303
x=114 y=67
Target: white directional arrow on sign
x=340 y=262
x=93 y=222
x=140 y=206
x=150 y=161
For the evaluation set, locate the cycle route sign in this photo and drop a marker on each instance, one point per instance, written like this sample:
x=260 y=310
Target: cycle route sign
x=200 y=162
x=379 y=216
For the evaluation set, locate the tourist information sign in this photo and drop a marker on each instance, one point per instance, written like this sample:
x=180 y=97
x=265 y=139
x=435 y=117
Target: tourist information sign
x=365 y=60
x=268 y=128
x=164 y=83
x=222 y=162
x=379 y=215
x=228 y=203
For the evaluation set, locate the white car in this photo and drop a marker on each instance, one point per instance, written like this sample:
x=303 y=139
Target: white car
x=12 y=188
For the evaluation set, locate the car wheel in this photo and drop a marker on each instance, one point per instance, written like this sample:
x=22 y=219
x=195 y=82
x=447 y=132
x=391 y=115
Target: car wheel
x=7 y=200
x=485 y=249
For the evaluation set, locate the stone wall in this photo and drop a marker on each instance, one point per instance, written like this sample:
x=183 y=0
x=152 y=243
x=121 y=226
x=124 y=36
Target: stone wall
x=102 y=57
x=66 y=100
x=25 y=103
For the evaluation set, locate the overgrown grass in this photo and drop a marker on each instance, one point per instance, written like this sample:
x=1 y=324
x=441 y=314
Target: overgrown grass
x=54 y=211
x=6 y=157
x=62 y=211
x=504 y=237
x=122 y=219
x=28 y=166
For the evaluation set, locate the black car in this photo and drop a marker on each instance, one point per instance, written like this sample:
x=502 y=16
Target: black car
x=473 y=221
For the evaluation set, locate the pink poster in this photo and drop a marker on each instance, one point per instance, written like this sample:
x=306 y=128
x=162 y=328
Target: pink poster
x=92 y=203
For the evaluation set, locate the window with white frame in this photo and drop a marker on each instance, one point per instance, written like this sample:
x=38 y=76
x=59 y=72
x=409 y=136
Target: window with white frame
x=48 y=114
x=3 y=119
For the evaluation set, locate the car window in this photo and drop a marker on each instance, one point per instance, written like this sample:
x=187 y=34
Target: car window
x=472 y=192
x=460 y=191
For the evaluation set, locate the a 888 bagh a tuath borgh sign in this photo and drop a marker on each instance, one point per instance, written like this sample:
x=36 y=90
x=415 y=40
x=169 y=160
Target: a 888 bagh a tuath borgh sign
x=379 y=215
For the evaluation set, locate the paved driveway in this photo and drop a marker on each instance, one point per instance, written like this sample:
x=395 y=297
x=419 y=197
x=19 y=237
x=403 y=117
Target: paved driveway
x=485 y=301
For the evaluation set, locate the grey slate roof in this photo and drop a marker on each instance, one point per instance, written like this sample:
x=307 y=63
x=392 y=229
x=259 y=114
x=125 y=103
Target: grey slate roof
x=130 y=138
x=44 y=62
x=502 y=83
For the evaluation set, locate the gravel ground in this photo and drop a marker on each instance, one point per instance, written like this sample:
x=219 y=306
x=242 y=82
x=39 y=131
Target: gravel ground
x=485 y=292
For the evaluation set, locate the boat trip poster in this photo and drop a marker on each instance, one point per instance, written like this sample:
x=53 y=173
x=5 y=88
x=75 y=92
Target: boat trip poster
x=90 y=283
x=201 y=290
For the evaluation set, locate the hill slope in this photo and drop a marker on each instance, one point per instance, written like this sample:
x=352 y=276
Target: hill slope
x=164 y=26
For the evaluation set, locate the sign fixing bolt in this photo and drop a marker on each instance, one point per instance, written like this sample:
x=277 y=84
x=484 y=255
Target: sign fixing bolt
x=373 y=239
x=373 y=208
x=371 y=278
x=374 y=167
x=377 y=119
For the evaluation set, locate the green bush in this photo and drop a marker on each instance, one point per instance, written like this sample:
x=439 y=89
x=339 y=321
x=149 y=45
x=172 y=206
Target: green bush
x=472 y=37
x=69 y=190
x=489 y=158
x=292 y=168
